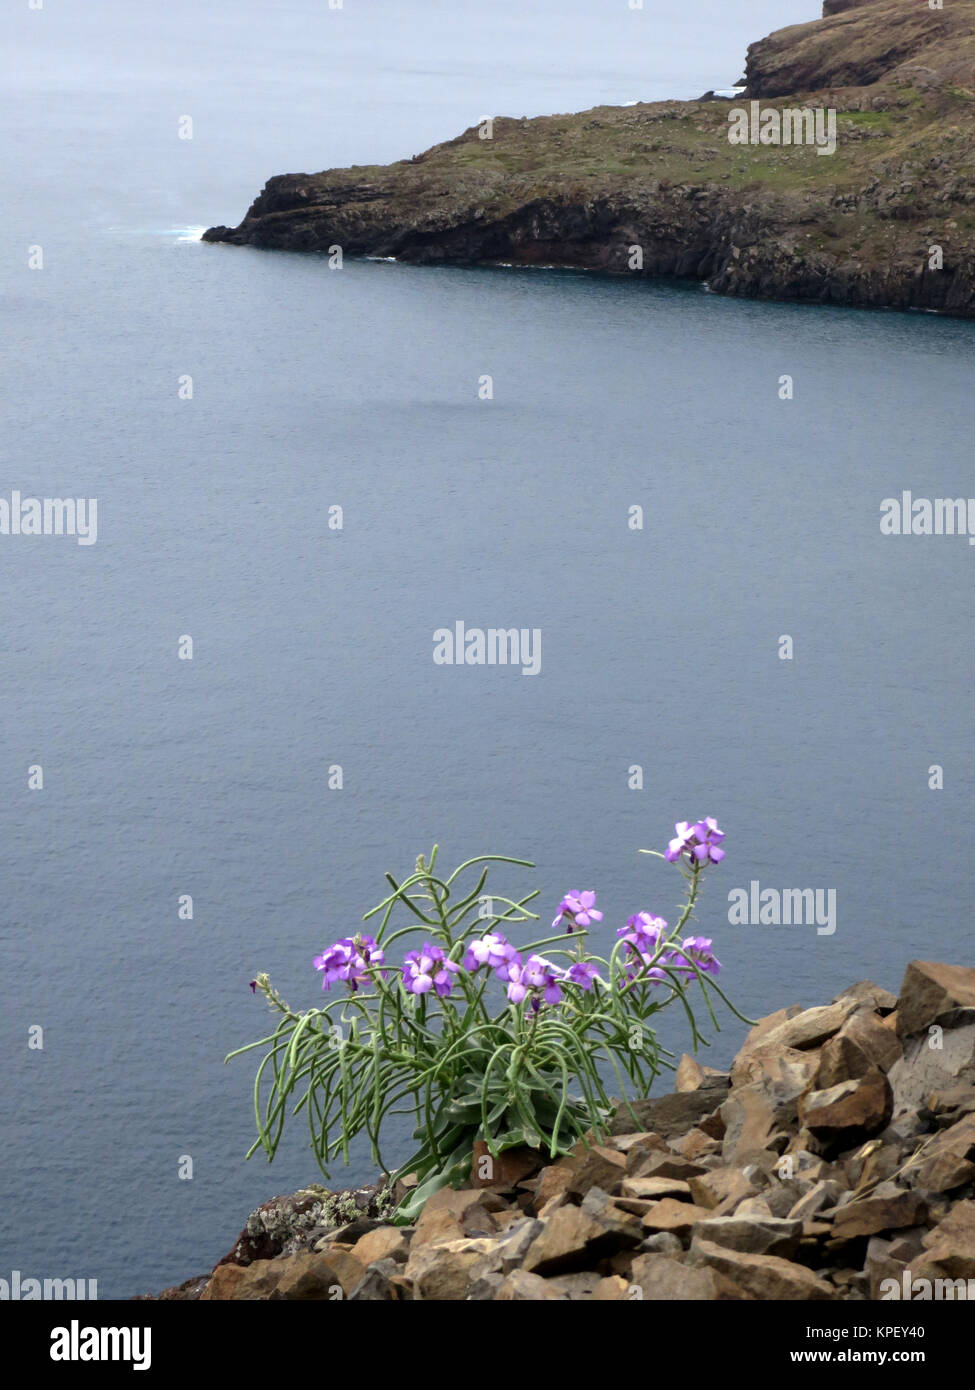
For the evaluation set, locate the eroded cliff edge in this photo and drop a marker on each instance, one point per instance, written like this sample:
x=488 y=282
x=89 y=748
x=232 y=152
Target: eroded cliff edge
x=854 y=227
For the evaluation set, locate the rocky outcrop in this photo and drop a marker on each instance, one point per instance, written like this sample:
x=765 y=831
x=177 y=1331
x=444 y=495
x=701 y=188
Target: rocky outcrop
x=658 y=189
x=809 y=1170
x=861 y=43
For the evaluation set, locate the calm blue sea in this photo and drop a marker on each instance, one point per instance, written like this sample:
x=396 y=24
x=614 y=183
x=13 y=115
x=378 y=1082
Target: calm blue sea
x=312 y=647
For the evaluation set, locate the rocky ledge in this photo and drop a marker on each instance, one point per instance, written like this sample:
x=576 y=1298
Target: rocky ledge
x=835 y=1160
x=887 y=220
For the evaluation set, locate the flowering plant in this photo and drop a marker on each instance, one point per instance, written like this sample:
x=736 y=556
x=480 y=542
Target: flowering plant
x=476 y=1037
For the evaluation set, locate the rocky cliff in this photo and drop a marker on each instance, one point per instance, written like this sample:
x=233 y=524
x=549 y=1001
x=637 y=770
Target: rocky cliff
x=835 y=1160
x=888 y=219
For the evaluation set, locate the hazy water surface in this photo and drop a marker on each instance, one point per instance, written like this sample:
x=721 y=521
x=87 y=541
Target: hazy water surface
x=359 y=388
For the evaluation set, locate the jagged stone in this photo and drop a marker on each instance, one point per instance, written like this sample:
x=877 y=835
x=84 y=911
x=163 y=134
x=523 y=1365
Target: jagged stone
x=853 y=1107
x=572 y=1239
x=696 y=1145
x=886 y=1210
x=662 y=1278
x=444 y=1272
x=810 y=1028
x=933 y=1062
x=644 y=1139
x=553 y=1181
x=598 y=1167
x=295 y=1278
x=949 y=1158
x=765 y=1277
x=453 y=1214
x=751 y=1124
x=822 y=1194
x=673 y=1115
x=652 y=1189
x=754 y=1235
x=661 y=1243
x=950 y=1246
x=930 y=993
x=612 y=1289
x=375 y=1285
x=722 y=1190
x=644 y=1164
x=867 y=993
x=521 y=1286
x=385 y=1242
x=671 y=1215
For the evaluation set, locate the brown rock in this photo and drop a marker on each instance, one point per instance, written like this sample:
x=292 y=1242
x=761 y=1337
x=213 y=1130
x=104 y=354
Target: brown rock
x=951 y=1246
x=931 y=992
x=652 y=1189
x=696 y=1144
x=866 y=992
x=751 y=1123
x=571 y=1239
x=766 y=1025
x=722 y=1190
x=523 y=1287
x=385 y=1242
x=511 y=1166
x=933 y=1062
x=754 y=1235
x=856 y=1107
x=300 y=1277
x=611 y=1290
x=672 y=1115
x=691 y=1076
x=812 y=1027
x=348 y=1269
x=949 y=1159
x=948 y=1106
x=599 y=1167
x=444 y=1273
x=662 y=1278
x=886 y=1210
x=579 y=1287
x=823 y=1194
x=646 y=1139
x=376 y=1285
x=643 y=1164
x=765 y=1277
x=223 y=1282
x=453 y=1214
x=670 y=1215
x=553 y=1182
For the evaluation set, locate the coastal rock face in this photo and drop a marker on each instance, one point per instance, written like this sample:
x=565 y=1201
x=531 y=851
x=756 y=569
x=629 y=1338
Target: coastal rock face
x=860 y=43
x=658 y=189
x=796 y=1189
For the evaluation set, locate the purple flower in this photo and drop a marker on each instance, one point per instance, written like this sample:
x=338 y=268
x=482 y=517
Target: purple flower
x=643 y=931
x=349 y=960
x=541 y=975
x=512 y=962
x=582 y=974
x=517 y=989
x=698 y=950
x=492 y=950
x=579 y=908
x=428 y=969
x=700 y=842
x=536 y=977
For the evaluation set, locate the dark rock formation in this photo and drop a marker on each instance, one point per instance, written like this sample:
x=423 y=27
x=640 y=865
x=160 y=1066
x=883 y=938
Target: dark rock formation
x=888 y=220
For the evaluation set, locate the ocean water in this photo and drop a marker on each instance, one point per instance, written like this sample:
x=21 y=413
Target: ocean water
x=314 y=388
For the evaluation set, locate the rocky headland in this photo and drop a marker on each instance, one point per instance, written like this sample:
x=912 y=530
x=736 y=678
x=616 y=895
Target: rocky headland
x=835 y=1160
x=886 y=220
